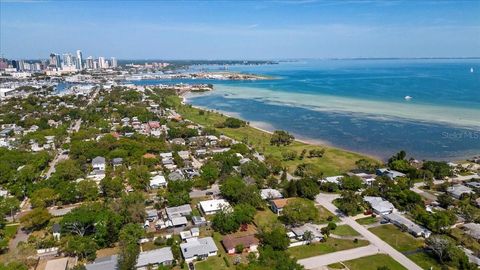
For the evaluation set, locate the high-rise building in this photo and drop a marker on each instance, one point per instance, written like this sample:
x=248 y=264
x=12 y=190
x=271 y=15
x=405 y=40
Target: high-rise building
x=101 y=62
x=114 y=62
x=53 y=60
x=15 y=64
x=89 y=63
x=67 y=60
x=58 y=61
x=79 y=60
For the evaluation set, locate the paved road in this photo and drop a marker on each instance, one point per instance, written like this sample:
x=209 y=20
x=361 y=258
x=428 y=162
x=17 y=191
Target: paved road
x=339 y=256
x=196 y=193
x=326 y=201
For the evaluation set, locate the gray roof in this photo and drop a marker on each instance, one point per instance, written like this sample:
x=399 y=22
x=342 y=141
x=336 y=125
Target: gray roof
x=56 y=228
x=300 y=231
x=117 y=161
x=177 y=221
x=156 y=256
x=459 y=190
x=379 y=205
x=177 y=211
x=198 y=246
x=472 y=229
x=98 y=160
x=104 y=263
x=412 y=226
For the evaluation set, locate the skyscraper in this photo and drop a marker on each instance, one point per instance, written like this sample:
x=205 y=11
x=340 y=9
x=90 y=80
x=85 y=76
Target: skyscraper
x=101 y=62
x=89 y=63
x=114 y=62
x=79 y=60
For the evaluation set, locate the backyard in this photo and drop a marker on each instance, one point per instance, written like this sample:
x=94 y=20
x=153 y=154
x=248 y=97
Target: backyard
x=330 y=245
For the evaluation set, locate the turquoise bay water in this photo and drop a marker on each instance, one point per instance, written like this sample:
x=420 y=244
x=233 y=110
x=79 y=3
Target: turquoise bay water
x=360 y=104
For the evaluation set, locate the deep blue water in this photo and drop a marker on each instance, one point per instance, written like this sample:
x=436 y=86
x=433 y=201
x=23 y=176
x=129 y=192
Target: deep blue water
x=447 y=84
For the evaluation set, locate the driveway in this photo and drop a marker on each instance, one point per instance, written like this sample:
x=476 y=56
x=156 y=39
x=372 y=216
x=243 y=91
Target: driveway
x=326 y=201
x=340 y=256
x=197 y=193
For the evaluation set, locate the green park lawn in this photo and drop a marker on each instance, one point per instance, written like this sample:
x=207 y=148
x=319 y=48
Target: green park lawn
x=265 y=218
x=331 y=245
x=405 y=242
x=345 y=230
x=335 y=161
x=10 y=231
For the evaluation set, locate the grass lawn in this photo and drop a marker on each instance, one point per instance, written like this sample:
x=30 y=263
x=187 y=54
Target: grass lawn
x=465 y=239
x=373 y=262
x=367 y=220
x=335 y=161
x=331 y=245
x=345 y=230
x=265 y=218
x=10 y=231
x=404 y=242
x=325 y=215
x=213 y=263
x=399 y=240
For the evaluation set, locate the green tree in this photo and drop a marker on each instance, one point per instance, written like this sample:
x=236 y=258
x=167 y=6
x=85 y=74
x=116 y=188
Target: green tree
x=353 y=183
x=111 y=187
x=281 y=137
x=35 y=219
x=209 y=172
x=276 y=238
x=75 y=245
x=88 y=190
x=299 y=211
x=129 y=247
x=43 y=197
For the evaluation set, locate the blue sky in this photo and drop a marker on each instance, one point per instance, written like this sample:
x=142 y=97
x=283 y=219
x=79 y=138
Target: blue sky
x=240 y=29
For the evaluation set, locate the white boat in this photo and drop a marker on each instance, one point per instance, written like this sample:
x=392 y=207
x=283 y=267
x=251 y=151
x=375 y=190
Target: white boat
x=471 y=70
x=408 y=97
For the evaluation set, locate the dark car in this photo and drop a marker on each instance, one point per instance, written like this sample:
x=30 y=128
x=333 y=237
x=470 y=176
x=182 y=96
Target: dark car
x=209 y=193
x=191 y=266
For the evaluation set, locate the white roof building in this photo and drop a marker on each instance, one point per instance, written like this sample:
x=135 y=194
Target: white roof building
x=379 y=205
x=212 y=206
x=198 y=248
x=158 y=181
x=270 y=194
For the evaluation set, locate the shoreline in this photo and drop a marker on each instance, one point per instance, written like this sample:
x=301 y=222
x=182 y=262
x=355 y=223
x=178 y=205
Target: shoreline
x=306 y=141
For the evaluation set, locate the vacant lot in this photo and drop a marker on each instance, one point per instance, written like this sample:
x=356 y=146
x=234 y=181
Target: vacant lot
x=331 y=245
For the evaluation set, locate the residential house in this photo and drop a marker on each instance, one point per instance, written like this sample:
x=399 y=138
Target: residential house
x=270 y=194
x=56 y=231
x=199 y=221
x=278 y=205
x=333 y=179
x=249 y=243
x=211 y=207
x=379 y=205
x=158 y=181
x=298 y=233
x=98 y=163
x=457 y=191
x=198 y=249
x=116 y=162
x=146 y=259
x=472 y=229
x=392 y=174
x=179 y=211
x=403 y=222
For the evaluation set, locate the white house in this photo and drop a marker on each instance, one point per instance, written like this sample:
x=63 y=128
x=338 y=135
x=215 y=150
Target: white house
x=211 y=207
x=379 y=205
x=98 y=163
x=198 y=248
x=158 y=181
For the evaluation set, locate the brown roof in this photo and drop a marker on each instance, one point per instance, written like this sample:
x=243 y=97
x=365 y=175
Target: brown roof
x=280 y=203
x=148 y=155
x=230 y=241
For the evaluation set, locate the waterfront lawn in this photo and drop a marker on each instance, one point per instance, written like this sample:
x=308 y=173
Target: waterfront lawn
x=345 y=230
x=367 y=220
x=335 y=161
x=373 y=263
x=320 y=248
x=405 y=242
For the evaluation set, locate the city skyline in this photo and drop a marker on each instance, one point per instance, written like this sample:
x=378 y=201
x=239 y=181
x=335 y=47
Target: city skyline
x=246 y=30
